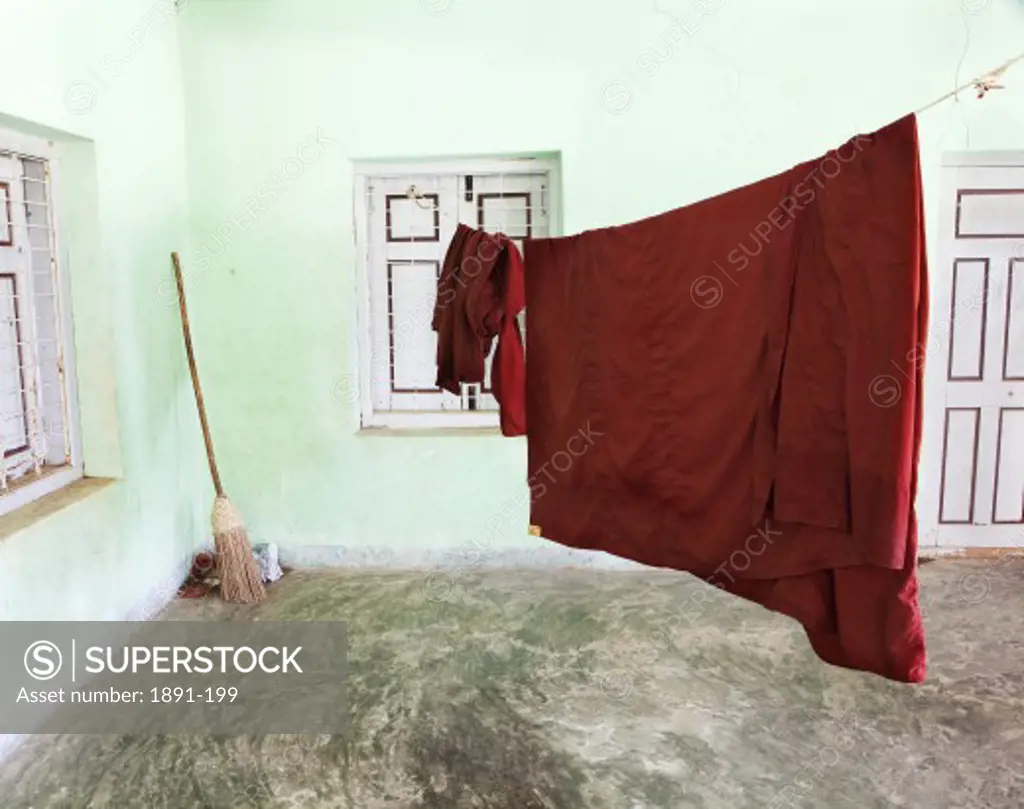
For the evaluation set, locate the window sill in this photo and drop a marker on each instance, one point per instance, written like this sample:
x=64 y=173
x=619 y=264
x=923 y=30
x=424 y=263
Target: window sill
x=35 y=512
x=428 y=432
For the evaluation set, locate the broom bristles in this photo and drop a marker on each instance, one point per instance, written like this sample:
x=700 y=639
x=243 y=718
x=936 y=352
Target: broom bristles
x=239 y=572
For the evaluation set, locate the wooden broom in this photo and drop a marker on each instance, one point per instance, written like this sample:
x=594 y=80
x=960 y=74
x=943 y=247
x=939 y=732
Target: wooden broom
x=239 y=572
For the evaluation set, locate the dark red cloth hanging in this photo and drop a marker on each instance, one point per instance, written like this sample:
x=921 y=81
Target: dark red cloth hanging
x=734 y=389
x=479 y=294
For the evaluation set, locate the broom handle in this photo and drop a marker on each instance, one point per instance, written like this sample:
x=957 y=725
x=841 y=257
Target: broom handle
x=195 y=376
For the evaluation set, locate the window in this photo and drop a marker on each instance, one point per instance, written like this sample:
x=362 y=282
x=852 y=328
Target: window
x=406 y=216
x=40 y=452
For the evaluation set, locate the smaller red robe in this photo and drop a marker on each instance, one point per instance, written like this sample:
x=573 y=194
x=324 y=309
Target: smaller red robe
x=479 y=294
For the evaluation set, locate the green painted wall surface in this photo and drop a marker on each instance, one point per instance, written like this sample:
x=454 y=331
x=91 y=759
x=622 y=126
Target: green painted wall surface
x=741 y=92
x=167 y=127
x=103 y=81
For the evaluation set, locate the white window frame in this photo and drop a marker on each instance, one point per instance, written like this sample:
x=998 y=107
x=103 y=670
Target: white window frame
x=25 y=490
x=363 y=171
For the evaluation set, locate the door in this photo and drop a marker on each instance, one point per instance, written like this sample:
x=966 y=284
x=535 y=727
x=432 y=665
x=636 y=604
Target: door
x=975 y=393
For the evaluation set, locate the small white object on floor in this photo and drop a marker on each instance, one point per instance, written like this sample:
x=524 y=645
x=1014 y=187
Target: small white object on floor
x=266 y=555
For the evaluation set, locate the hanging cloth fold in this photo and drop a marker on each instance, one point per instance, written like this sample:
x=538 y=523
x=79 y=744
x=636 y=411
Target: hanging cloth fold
x=480 y=292
x=747 y=376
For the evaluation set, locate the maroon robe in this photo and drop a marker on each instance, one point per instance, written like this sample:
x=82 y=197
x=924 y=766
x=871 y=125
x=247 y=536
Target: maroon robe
x=479 y=293
x=733 y=389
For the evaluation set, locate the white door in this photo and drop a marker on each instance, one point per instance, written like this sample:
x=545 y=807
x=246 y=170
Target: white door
x=975 y=358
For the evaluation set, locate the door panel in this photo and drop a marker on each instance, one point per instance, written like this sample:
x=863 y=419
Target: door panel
x=978 y=329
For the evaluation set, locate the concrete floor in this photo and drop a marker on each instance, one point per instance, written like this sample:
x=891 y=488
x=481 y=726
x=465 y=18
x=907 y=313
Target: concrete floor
x=569 y=688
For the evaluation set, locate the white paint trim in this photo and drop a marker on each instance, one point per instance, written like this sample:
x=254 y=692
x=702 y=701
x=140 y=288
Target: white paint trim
x=468 y=165
x=362 y=342
x=26 y=493
x=983 y=159
x=968 y=553
x=469 y=557
x=361 y=345
x=27 y=145
x=545 y=555
x=453 y=420
x=555 y=205
x=66 y=320
x=21 y=495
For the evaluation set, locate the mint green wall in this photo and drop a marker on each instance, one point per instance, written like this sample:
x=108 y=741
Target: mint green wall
x=191 y=118
x=124 y=208
x=753 y=88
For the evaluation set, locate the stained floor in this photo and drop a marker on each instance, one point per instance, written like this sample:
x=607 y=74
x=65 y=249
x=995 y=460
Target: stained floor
x=529 y=689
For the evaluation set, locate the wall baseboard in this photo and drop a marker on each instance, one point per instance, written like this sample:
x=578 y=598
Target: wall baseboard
x=968 y=553
x=162 y=594
x=468 y=556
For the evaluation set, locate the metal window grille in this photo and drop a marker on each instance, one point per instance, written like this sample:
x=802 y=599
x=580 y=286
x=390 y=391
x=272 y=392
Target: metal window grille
x=34 y=408
x=410 y=219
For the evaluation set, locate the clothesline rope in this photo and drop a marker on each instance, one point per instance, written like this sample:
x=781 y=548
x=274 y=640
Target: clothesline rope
x=982 y=84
